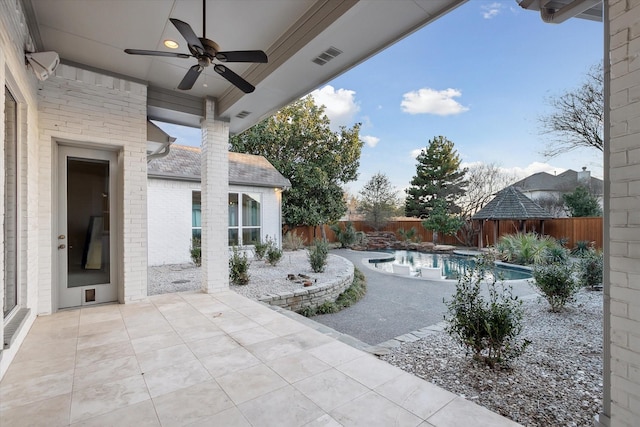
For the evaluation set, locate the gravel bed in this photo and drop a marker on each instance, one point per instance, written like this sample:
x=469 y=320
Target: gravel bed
x=556 y=382
x=263 y=278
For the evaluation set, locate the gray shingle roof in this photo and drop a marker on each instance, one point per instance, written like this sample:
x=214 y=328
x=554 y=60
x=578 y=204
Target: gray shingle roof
x=183 y=163
x=512 y=204
x=565 y=182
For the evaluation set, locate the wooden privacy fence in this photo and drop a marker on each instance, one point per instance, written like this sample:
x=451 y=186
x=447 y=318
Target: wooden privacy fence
x=572 y=229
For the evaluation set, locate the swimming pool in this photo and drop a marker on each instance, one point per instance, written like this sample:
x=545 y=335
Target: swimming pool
x=452 y=266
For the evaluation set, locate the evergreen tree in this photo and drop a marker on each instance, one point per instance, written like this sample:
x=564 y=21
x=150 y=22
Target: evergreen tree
x=438 y=177
x=582 y=203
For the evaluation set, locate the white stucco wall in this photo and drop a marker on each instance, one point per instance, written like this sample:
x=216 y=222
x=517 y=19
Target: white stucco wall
x=169 y=208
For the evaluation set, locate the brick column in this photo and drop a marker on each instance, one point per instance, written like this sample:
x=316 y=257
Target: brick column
x=215 y=201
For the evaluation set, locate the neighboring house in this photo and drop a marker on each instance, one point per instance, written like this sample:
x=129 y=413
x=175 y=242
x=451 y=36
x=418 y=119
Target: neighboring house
x=174 y=202
x=547 y=190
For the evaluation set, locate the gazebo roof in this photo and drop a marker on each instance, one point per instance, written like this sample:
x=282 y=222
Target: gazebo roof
x=512 y=204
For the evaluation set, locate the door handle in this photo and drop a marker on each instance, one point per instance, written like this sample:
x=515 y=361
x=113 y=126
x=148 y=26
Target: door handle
x=61 y=237
x=61 y=246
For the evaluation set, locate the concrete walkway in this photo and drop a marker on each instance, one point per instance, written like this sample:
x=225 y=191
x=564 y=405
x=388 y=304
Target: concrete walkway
x=395 y=305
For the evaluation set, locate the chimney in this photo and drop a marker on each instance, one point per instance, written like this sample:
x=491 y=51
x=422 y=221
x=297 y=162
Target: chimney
x=584 y=177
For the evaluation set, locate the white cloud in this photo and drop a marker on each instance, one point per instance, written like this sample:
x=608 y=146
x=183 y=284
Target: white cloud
x=371 y=141
x=340 y=105
x=532 y=168
x=430 y=101
x=415 y=153
x=490 y=11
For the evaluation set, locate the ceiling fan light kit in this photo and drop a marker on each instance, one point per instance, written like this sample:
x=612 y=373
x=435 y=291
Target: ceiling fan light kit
x=206 y=51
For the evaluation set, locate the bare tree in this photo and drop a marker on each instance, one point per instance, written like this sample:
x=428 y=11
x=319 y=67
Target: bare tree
x=552 y=204
x=378 y=201
x=578 y=117
x=484 y=180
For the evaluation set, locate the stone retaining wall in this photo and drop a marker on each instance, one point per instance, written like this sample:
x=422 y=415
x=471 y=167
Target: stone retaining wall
x=315 y=295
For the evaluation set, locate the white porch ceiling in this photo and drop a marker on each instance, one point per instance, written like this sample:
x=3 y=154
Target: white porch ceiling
x=94 y=34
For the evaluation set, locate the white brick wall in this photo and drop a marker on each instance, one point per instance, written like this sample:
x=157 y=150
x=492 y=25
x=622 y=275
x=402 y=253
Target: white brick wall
x=83 y=107
x=624 y=217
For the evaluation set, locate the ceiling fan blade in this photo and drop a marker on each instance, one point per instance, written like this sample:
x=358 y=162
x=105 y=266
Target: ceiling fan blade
x=188 y=34
x=190 y=78
x=235 y=79
x=242 y=56
x=156 y=53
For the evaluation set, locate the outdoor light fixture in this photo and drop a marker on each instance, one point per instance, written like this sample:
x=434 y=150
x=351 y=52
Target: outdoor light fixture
x=171 y=44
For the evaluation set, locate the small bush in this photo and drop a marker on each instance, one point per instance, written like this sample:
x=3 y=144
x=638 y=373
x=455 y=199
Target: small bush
x=487 y=328
x=261 y=248
x=590 y=268
x=274 y=255
x=196 y=251
x=408 y=236
x=292 y=242
x=238 y=267
x=581 y=248
x=346 y=236
x=318 y=255
x=350 y=296
x=556 y=283
x=524 y=248
x=556 y=254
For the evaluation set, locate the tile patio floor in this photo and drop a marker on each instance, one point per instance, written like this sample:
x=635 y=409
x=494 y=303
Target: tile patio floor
x=211 y=360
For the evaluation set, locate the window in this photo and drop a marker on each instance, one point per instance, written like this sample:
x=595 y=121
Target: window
x=10 y=225
x=244 y=219
x=196 y=216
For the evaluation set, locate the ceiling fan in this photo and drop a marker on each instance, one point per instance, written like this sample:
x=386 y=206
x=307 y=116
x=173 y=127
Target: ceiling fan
x=205 y=51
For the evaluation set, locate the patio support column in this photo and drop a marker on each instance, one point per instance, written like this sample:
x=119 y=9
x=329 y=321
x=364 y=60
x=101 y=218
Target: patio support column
x=215 y=200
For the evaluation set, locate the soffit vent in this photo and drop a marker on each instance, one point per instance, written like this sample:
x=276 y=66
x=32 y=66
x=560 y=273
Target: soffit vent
x=242 y=114
x=326 y=56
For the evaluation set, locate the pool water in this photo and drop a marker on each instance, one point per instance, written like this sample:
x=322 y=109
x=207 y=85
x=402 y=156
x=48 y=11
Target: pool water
x=452 y=266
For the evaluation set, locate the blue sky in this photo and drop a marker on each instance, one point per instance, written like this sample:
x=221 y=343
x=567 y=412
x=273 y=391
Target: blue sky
x=478 y=76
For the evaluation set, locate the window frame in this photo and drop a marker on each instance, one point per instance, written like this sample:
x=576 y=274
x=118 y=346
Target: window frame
x=239 y=228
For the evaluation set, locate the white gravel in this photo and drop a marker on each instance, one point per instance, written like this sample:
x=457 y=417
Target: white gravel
x=557 y=382
x=263 y=278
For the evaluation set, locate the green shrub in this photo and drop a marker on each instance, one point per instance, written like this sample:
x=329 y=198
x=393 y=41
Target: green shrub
x=410 y=235
x=292 y=242
x=196 y=251
x=238 y=267
x=524 y=248
x=274 y=255
x=581 y=248
x=488 y=328
x=350 y=296
x=261 y=248
x=318 y=255
x=556 y=254
x=590 y=268
x=346 y=236
x=556 y=283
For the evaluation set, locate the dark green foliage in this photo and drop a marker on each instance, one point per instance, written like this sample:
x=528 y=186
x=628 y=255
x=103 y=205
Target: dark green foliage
x=274 y=255
x=196 y=251
x=438 y=177
x=487 y=327
x=378 y=201
x=441 y=221
x=260 y=249
x=299 y=143
x=556 y=283
x=350 y=296
x=590 y=268
x=346 y=236
x=581 y=248
x=581 y=203
x=318 y=255
x=238 y=267
x=410 y=235
x=556 y=254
